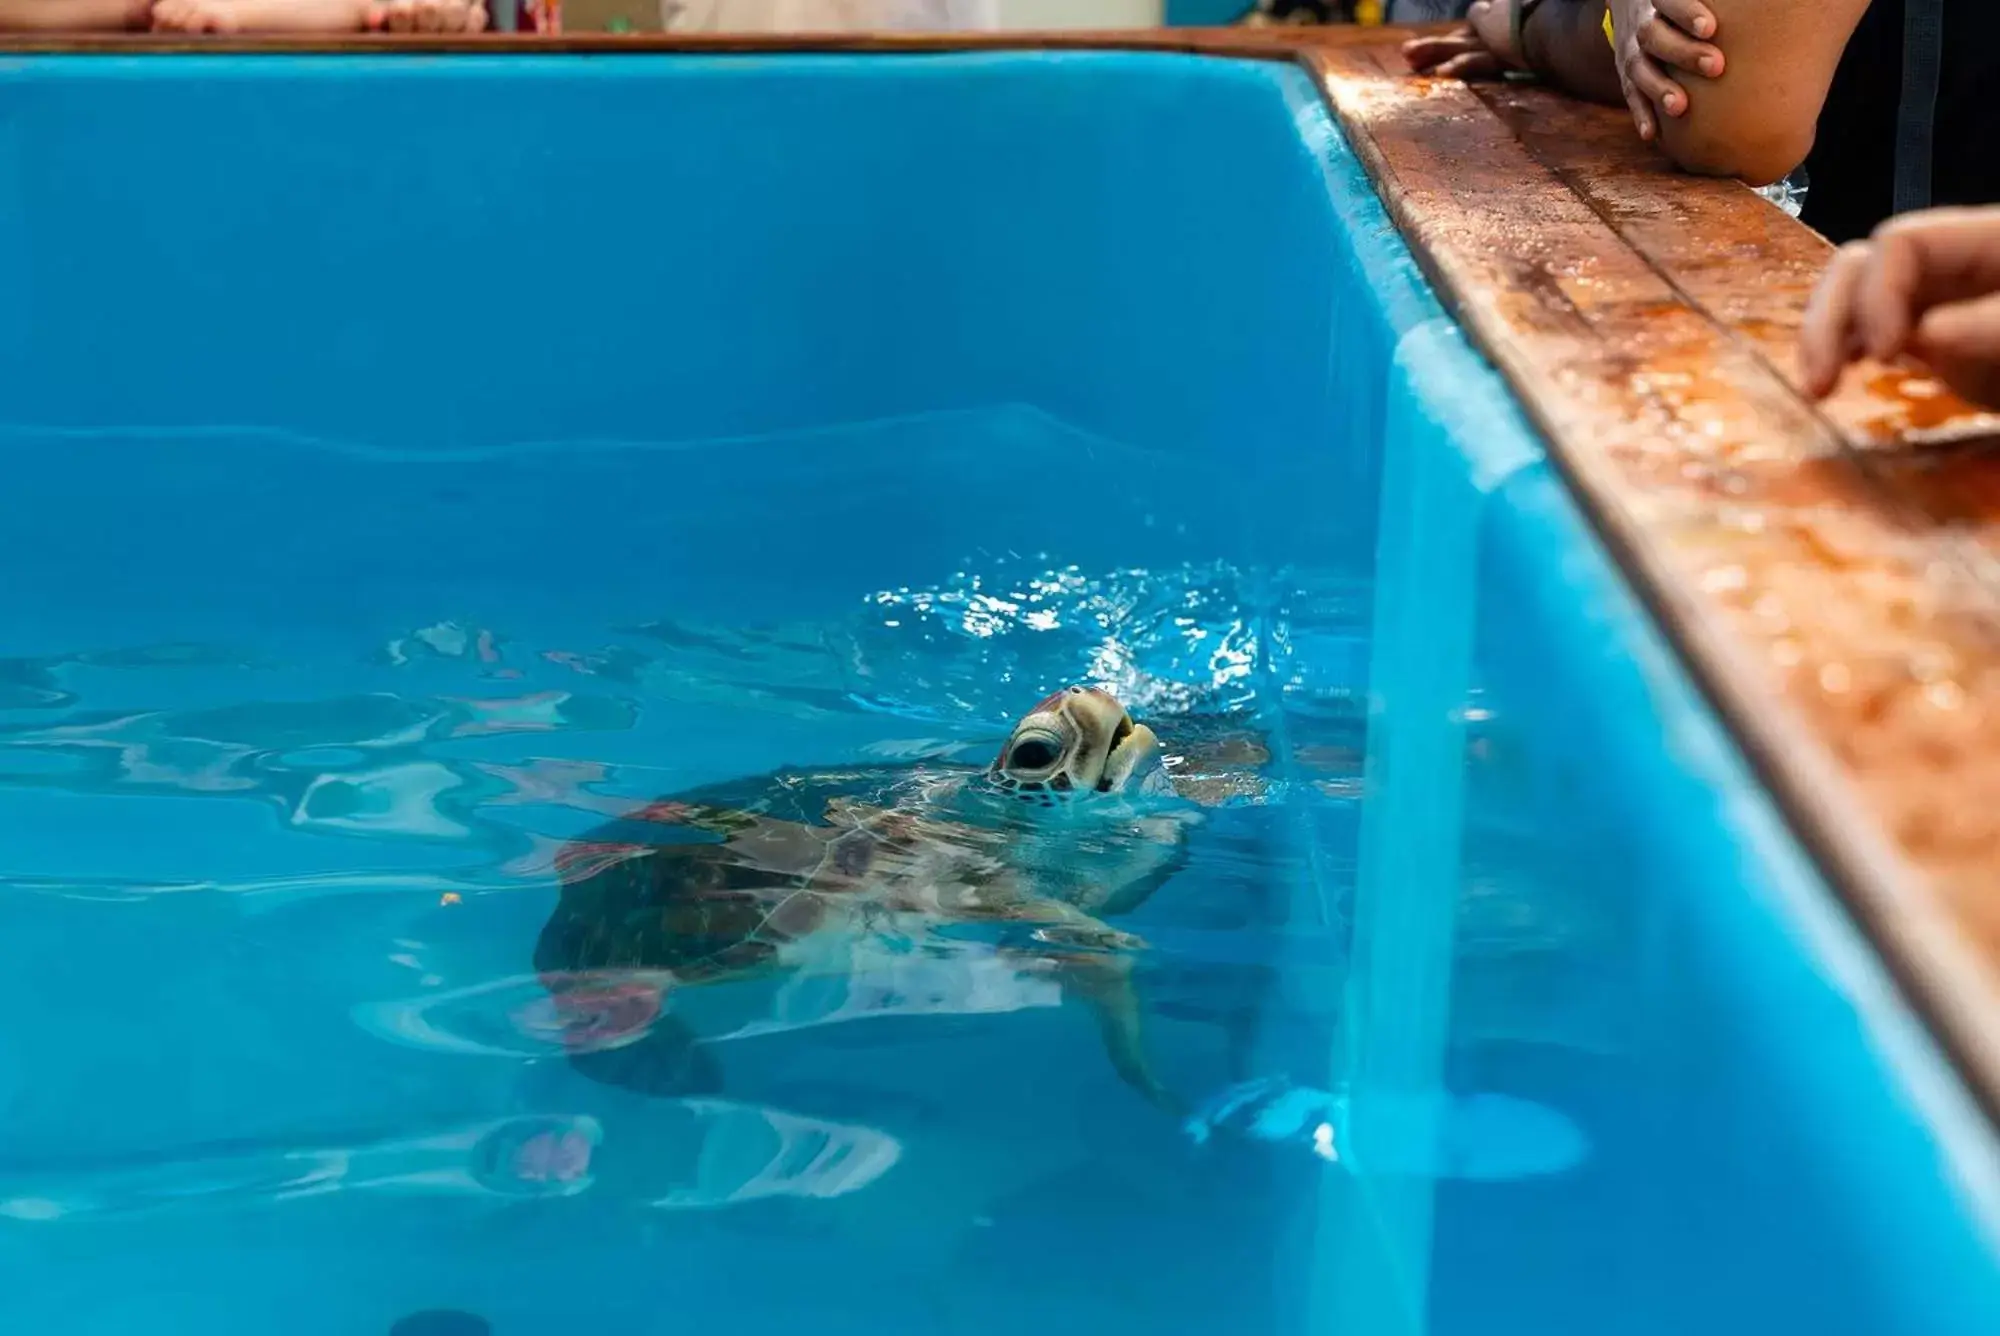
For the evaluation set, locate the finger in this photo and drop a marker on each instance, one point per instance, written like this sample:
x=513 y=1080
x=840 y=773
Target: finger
x=1642 y=114
x=1826 y=335
x=475 y=18
x=1652 y=81
x=1427 y=51
x=1665 y=43
x=1922 y=259
x=1471 y=66
x=1690 y=16
x=1424 y=52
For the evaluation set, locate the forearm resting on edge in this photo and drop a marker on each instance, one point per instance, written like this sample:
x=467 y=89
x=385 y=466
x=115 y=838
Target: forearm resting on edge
x=1756 y=120
x=1565 y=45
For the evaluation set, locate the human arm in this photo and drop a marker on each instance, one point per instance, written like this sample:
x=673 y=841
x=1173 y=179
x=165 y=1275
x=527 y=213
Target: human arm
x=1743 y=103
x=74 y=15
x=1564 y=41
x=1756 y=119
x=1727 y=87
x=1927 y=284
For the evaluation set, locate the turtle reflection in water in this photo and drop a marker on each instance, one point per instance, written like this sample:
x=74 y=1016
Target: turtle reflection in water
x=804 y=871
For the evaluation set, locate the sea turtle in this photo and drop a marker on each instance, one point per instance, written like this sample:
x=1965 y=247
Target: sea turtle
x=834 y=871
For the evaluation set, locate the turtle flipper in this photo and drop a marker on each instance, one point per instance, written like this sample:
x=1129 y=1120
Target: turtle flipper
x=1095 y=961
x=1104 y=981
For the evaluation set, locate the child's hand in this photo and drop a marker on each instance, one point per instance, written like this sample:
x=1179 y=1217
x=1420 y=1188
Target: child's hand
x=1652 y=36
x=1926 y=284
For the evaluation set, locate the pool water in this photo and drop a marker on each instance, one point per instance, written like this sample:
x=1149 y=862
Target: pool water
x=355 y=590
x=284 y=889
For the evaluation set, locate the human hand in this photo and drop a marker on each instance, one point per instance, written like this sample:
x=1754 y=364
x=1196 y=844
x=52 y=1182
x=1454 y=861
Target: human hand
x=1481 y=49
x=1926 y=284
x=1652 y=36
x=1458 y=54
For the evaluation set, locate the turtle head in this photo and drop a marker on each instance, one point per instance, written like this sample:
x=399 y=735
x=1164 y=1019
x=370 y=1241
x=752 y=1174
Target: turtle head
x=1079 y=741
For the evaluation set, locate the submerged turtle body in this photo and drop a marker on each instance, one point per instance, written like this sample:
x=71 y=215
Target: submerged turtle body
x=803 y=870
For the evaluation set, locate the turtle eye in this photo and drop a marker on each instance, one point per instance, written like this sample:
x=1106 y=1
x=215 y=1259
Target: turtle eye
x=1032 y=753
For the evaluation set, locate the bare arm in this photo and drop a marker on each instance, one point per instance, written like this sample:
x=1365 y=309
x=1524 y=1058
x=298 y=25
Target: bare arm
x=74 y=15
x=1565 y=42
x=1757 y=119
x=1744 y=102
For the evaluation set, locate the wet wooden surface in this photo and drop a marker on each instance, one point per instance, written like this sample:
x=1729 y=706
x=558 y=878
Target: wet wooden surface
x=1830 y=571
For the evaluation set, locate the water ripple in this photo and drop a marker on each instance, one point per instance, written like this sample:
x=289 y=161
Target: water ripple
x=382 y=761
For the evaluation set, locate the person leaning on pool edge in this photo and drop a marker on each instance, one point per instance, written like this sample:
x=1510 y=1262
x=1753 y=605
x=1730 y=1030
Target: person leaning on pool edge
x=1880 y=100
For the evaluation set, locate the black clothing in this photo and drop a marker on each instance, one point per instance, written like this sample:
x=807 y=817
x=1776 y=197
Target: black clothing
x=1850 y=185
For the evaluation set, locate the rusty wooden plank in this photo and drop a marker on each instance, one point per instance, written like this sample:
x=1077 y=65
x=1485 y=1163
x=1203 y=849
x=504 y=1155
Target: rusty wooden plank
x=1828 y=618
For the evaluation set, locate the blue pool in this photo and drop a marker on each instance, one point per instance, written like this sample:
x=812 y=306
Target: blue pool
x=413 y=467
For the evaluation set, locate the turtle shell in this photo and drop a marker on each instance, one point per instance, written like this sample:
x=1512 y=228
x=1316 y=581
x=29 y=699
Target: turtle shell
x=714 y=881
